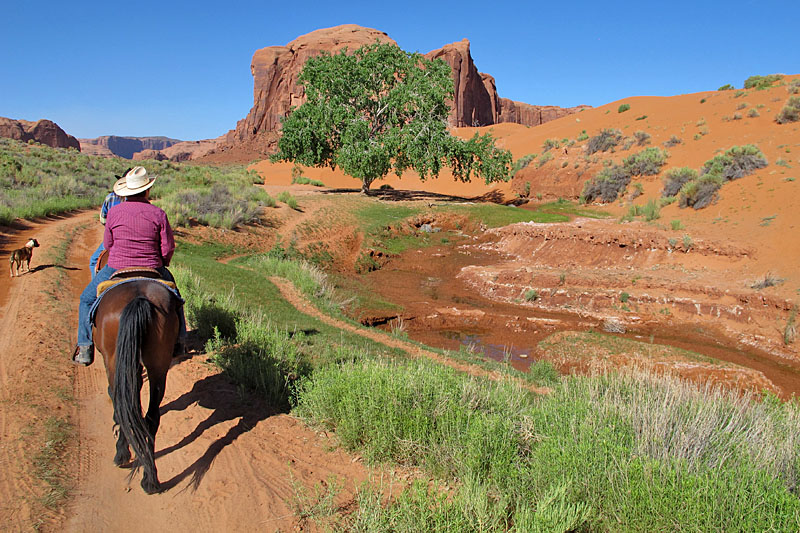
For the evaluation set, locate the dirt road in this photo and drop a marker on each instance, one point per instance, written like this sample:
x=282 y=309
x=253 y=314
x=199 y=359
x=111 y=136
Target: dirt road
x=226 y=462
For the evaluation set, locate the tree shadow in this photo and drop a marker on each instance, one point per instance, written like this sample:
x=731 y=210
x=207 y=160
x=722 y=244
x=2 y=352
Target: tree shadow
x=226 y=403
x=401 y=195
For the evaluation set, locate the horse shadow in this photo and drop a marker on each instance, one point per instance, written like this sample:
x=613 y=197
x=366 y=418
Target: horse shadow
x=226 y=402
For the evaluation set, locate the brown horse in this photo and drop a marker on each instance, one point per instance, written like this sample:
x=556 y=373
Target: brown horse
x=136 y=325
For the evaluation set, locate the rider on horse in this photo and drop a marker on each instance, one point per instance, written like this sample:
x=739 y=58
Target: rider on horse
x=137 y=234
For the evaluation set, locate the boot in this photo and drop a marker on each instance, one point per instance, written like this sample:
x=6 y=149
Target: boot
x=84 y=355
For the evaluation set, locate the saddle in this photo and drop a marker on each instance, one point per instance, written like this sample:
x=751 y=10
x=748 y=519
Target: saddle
x=131 y=274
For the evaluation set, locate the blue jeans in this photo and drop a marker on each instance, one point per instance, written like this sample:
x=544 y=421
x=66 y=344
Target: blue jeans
x=95 y=258
x=89 y=295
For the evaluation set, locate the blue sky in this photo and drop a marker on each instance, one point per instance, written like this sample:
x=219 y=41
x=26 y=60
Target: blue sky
x=182 y=69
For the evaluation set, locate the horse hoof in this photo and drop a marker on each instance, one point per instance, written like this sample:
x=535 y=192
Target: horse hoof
x=150 y=487
x=122 y=459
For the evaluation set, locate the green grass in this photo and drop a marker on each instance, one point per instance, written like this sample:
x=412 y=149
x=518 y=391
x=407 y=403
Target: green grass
x=302 y=180
x=608 y=453
x=50 y=461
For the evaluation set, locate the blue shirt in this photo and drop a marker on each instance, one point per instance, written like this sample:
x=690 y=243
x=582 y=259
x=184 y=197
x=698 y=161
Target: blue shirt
x=111 y=200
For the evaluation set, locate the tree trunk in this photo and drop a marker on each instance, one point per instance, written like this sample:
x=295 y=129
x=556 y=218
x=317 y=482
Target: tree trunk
x=365 y=183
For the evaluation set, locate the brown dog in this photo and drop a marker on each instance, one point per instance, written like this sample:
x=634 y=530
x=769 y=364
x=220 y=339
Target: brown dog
x=21 y=255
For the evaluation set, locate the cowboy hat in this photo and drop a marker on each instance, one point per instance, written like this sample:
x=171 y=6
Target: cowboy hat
x=135 y=181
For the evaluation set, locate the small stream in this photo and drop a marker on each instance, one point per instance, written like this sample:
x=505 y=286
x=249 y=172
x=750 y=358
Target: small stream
x=424 y=282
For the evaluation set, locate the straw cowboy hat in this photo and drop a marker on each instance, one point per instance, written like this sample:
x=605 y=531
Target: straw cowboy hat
x=133 y=182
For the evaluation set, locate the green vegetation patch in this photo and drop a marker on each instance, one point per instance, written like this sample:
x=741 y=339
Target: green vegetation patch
x=762 y=82
x=36 y=180
x=648 y=162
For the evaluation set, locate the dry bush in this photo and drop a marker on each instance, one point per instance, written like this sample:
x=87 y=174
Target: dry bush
x=676 y=178
x=607 y=185
x=604 y=141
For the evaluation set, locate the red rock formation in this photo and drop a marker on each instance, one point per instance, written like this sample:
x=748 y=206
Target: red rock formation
x=149 y=154
x=275 y=91
x=473 y=104
x=42 y=131
x=275 y=71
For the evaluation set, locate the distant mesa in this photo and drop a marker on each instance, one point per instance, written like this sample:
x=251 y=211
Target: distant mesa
x=275 y=70
x=113 y=145
x=182 y=151
x=42 y=131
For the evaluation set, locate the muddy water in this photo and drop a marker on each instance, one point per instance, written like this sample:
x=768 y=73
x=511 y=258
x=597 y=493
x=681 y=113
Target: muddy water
x=440 y=310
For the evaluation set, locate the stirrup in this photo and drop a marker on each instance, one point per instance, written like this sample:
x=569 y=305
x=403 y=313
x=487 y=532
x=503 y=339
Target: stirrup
x=83 y=355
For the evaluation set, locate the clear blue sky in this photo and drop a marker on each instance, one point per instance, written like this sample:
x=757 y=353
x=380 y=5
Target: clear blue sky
x=182 y=69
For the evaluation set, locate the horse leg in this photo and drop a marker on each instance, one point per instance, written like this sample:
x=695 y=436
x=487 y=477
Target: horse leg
x=153 y=416
x=123 y=455
x=157 y=384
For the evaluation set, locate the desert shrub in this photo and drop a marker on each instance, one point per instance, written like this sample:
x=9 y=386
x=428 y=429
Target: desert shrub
x=735 y=163
x=604 y=141
x=550 y=143
x=531 y=295
x=726 y=87
x=638 y=190
x=302 y=180
x=627 y=143
x=701 y=192
x=753 y=113
x=522 y=162
x=583 y=136
x=794 y=86
x=741 y=106
x=676 y=178
x=769 y=280
x=641 y=117
x=642 y=138
x=790 y=111
x=544 y=159
x=623 y=107
x=607 y=185
x=737 y=116
x=648 y=162
x=218 y=206
x=672 y=141
x=288 y=199
x=761 y=82
x=650 y=211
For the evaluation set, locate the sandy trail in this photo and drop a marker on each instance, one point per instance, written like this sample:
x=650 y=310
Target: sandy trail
x=226 y=461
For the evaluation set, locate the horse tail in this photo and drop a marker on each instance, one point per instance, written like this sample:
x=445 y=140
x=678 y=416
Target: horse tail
x=133 y=324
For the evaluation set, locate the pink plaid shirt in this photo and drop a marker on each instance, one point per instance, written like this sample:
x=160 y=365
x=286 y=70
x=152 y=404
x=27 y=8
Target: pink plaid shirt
x=138 y=234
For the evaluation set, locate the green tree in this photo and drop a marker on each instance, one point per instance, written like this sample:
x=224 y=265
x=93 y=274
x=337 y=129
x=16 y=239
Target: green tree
x=382 y=110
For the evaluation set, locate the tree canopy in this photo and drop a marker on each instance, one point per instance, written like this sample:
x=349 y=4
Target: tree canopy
x=380 y=110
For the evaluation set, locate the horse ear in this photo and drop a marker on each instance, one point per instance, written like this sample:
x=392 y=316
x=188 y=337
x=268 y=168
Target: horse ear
x=123 y=174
